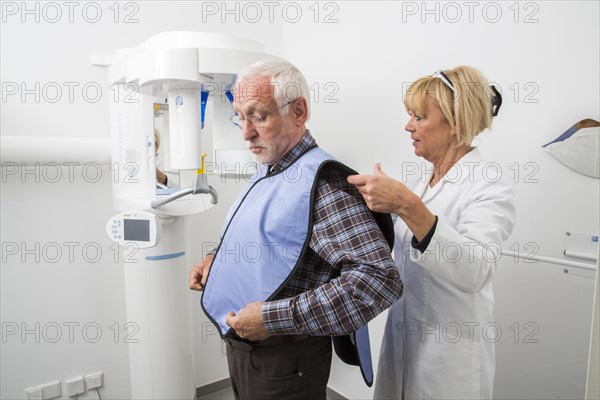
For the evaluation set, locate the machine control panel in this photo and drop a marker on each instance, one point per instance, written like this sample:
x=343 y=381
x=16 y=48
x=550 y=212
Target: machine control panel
x=138 y=227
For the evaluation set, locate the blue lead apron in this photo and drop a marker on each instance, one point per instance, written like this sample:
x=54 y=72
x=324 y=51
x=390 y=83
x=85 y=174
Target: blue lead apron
x=265 y=234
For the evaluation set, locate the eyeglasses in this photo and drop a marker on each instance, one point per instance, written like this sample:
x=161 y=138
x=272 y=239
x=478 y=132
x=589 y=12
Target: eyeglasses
x=441 y=75
x=255 y=119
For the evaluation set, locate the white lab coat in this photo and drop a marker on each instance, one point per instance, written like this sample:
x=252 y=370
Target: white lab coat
x=172 y=177
x=439 y=337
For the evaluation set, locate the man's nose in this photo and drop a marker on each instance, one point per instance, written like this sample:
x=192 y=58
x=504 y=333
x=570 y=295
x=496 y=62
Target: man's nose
x=248 y=131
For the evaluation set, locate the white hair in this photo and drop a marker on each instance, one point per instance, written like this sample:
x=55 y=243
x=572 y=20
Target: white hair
x=288 y=82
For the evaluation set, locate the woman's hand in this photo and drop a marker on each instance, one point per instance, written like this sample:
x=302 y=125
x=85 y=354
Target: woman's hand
x=381 y=192
x=387 y=195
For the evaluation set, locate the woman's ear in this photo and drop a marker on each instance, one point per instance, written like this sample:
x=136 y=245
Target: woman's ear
x=453 y=130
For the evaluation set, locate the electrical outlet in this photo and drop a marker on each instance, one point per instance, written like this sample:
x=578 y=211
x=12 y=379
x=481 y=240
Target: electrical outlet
x=46 y=391
x=75 y=386
x=94 y=380
x=51 y=390
x=36 y=393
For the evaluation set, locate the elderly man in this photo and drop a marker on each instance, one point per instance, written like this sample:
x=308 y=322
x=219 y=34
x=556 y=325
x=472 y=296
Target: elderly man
x=321 y=266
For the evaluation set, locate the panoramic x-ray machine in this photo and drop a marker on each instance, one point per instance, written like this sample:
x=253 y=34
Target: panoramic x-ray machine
x=194 y=72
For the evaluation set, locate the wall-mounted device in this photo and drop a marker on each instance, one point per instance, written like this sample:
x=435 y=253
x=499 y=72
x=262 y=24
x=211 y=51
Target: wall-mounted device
x=140 y=228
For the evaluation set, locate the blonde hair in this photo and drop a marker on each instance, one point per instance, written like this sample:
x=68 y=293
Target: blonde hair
x=467 y=109
x=156 y=139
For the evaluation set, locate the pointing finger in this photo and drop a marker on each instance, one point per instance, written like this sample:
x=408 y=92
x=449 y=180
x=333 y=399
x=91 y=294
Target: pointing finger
x=358 y=180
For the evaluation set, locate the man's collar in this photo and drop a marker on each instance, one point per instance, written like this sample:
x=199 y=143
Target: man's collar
x=306 y=143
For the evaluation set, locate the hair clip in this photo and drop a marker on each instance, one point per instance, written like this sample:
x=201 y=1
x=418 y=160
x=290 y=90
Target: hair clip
x=496 y=100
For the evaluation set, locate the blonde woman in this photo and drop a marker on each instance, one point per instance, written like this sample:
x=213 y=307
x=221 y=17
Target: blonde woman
x=452 y=220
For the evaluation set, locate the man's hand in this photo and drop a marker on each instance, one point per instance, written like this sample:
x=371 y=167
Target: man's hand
x=248 y=322
x=161 y=177
x=199 y=272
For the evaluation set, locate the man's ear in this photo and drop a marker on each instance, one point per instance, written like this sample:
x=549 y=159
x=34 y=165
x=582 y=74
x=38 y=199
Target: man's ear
x=299 y=111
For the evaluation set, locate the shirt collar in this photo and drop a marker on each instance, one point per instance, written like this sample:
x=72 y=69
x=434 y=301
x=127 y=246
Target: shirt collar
x=306 y=143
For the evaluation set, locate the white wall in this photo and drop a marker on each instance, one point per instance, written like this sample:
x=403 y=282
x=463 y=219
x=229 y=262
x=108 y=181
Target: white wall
x=83 y=290
x=592 y=390
x=361 y=62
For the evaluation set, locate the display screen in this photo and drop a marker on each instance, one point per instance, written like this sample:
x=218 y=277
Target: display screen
x=137 y=229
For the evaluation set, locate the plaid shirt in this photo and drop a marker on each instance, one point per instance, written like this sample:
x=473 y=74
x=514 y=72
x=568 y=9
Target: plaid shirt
x=347 y=275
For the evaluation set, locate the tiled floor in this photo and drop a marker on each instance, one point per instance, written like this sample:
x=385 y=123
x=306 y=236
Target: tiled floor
x=226 y=394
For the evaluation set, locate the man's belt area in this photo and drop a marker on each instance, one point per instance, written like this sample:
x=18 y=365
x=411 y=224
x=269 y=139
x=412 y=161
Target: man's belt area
x=248 y=345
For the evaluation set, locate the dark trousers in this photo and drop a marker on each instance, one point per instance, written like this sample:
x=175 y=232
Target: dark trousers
x=281 y=368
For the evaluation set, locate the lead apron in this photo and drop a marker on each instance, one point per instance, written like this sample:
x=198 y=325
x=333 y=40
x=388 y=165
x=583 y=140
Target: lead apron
x=265 y=234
